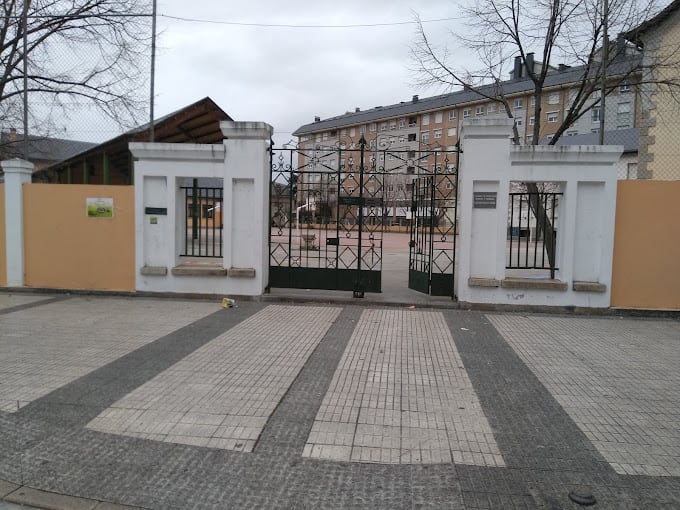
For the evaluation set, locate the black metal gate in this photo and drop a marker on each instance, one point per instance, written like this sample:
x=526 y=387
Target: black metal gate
x=326 y=219
x=432 y=247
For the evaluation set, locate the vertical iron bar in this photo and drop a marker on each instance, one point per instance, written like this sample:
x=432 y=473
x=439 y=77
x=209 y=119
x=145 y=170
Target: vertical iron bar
x=433 y=188
x=528 y=238
x=553 y=239
x=221 y=193
x=358 y=286
x=537 y=201
x=519 y=234
x=544 y=203
x=512 y=227
x=213 y=220
x=292 y=190
x=455 y=221
x=186 y=221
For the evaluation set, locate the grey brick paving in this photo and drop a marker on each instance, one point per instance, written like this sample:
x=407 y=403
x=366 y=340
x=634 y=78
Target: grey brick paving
x=10 y=303
x=400 y=395
x=45 y=348
x=618 y=379
x=46 y=444
x=222 y=394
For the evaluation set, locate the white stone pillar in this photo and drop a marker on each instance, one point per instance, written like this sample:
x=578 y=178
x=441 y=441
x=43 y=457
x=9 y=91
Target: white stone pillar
x=246 y=200
x=17 y=173
x=484 y=171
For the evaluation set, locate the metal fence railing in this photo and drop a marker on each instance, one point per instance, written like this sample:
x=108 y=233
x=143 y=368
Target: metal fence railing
x=532 y=233
x=202 y=222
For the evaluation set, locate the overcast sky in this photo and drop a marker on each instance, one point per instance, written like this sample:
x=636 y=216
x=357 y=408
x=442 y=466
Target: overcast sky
x=286 y=76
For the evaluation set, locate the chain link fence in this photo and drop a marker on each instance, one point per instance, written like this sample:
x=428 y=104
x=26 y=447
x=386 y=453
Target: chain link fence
x=87 y=76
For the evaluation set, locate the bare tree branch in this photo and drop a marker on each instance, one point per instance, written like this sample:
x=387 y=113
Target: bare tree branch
x=79 y=51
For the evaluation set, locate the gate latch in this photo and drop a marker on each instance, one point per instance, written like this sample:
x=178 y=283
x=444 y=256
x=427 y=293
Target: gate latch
x=332 y=241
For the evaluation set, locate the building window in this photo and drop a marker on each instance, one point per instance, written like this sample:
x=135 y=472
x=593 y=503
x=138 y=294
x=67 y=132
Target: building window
x=623 y=112
x=572 y=133
x=532 y=120
x=532 y=101
x=412 y=121
x=595 y=130
x=362 y=129
x=412 y=137
x=374 y=127
x=402 y=123
x=550 y=137
x=595 y=114
x=466 y=113
x=317 y=137
x=519 y=103
x=401 y=139
x=343 y=132
x=624 y=87
x=425 y=137
x=325 y=137
x=452 y=131
x=438 y=118
x=491 y=108
x=352 y=131
x=425 y=119
x=452 y=115
x=479 y=110
x=437 y=133
x=411 y=154
x=552 y=116
x=554 y=98
x=519 y=121
x=393 y=124
x=383 y=126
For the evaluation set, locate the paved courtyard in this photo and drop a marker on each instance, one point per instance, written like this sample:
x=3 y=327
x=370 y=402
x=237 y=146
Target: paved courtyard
x=159 y=403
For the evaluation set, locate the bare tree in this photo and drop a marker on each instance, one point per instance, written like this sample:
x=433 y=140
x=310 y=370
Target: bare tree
x=77 y=53
x=573 y=31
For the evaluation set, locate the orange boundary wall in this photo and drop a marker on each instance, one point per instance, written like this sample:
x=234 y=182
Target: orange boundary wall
x=3 y=253
x=646 y=272
x=64 y=248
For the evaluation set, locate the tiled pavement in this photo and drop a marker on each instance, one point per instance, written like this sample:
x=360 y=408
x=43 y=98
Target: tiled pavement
x=551 y=396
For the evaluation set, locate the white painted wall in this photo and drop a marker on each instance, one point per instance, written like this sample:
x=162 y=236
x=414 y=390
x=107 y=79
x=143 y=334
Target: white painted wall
x=17 y=173
x=242 y=161
x=587 y=176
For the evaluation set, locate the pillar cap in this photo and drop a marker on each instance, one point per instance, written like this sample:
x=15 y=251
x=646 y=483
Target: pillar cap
x=235 y=130
x=17 y=166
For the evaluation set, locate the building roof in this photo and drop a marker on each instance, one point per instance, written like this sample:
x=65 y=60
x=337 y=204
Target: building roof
x=629 y=138
x=509 y=87
x=198 y=122
x=635 y=34
x=40 y=148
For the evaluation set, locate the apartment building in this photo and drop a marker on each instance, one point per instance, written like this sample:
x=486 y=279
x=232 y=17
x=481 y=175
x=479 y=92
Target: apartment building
x=434 y=123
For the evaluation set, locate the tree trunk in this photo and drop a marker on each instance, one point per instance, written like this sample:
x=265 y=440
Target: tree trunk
x=544 y=226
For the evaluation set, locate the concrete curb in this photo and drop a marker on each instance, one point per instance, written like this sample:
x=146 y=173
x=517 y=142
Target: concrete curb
x=23 y=495
x=319 y=298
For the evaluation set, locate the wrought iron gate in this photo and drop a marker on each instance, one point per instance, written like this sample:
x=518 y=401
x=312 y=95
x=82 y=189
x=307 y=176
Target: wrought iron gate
x=326 y=219
x=432 y=247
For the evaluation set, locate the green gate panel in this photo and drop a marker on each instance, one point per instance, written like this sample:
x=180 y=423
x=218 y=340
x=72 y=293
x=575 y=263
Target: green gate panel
x=417 y=280
x=441 y=284
x=322 y=279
